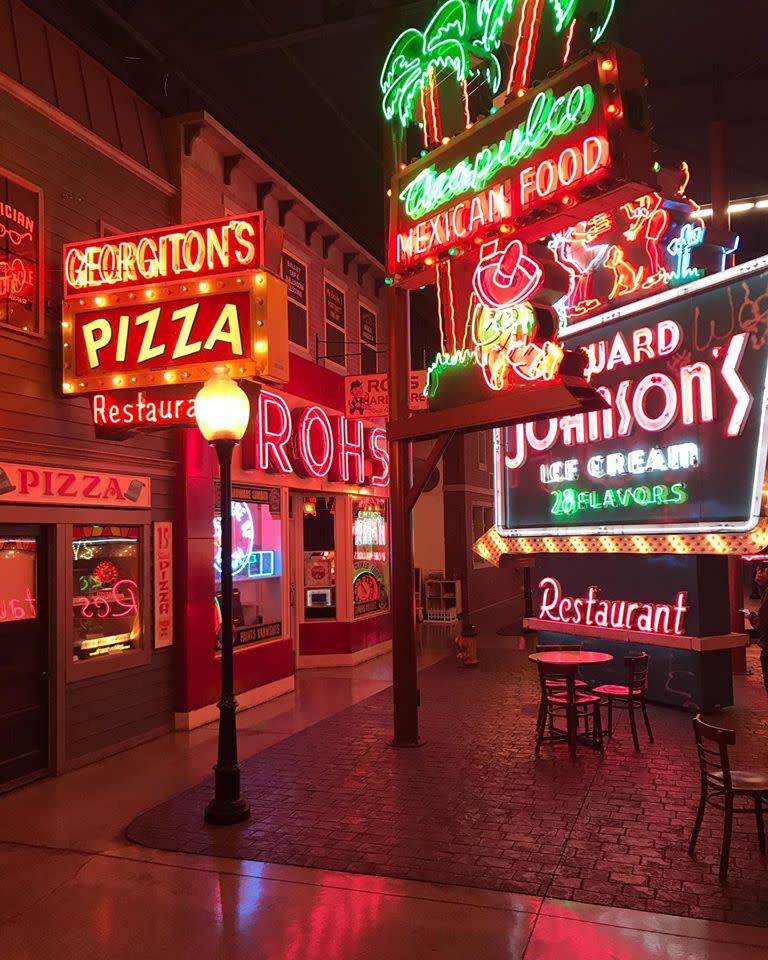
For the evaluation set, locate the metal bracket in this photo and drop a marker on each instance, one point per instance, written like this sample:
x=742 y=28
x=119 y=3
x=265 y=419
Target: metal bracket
x=310 y=228
x=328 y=242
x=191 y=132
x=284 y=207
x=263 y=190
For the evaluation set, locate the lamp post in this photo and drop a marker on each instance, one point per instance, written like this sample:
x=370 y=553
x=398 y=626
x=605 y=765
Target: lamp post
x=222 y=411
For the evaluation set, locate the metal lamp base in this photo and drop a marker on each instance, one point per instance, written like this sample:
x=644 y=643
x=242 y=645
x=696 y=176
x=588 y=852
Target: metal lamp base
x=220 y=814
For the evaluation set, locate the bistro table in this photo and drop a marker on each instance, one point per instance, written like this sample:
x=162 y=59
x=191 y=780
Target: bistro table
x=570 y=661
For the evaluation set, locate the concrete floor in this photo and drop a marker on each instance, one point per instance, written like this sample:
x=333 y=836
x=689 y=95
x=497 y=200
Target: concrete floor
x=72 y=887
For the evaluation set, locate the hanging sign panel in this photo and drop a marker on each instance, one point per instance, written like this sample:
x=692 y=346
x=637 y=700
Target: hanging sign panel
x=547 y=159
x=681 y=444
x=212 y=248
x=175 y=333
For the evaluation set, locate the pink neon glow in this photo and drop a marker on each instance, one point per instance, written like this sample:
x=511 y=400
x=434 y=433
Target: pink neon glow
x=350 y=448
x=377 y=447
x=507 y=277
x=655 y=382
x=550 y=176
x=273 y=433
x=314 y=422
x=115 y=605
x=590 y=611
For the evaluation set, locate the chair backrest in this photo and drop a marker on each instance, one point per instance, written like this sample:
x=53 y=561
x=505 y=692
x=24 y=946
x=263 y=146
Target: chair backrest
x=712 y=746
x=557 y=647
x=637 y=672
x=555 y=671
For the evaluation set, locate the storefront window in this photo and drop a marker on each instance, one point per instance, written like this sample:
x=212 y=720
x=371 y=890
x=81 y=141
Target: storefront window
x=370 y=555
x=105 y=590
x=319 y=521
x=18 y=579
x=256 y=570
x=20 y=255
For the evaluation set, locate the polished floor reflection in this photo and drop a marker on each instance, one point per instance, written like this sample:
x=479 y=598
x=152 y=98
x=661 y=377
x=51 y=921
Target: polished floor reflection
x=72 y=887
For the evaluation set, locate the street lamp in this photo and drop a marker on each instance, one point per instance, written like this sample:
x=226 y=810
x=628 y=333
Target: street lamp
x=222 y=411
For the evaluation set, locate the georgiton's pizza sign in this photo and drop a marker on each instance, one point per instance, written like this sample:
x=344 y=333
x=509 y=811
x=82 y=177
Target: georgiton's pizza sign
x=681 y=444
x=164 y=306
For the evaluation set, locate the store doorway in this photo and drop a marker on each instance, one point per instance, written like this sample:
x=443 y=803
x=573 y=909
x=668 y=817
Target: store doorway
x=23 y=655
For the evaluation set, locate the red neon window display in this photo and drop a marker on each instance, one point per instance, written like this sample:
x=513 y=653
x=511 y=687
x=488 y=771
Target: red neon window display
x=106 y=593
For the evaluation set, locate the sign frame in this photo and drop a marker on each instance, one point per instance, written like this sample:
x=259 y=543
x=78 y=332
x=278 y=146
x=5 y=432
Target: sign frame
x=162 y=560
x=605 y=321
x=266 y=292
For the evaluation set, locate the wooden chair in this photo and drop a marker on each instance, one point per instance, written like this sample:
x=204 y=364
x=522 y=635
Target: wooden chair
x=568 y=702
x=554 y=685
x=721 y=786
x=629 y=695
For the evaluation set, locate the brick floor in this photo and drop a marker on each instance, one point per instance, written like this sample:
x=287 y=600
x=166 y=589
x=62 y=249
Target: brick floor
x=473 y=807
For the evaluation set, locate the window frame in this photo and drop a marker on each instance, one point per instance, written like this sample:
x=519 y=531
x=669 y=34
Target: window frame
x=39 y=332
x=291 y=252
x=128 y=659
x=363 y=304
x=344 y=291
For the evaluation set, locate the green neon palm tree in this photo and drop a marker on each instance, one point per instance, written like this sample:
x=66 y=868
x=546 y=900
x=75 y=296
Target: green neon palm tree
x=415 y=57
x=597 y=14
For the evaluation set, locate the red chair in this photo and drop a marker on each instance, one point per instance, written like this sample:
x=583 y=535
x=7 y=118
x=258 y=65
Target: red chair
x=566 y=701
x=720 y=783
x=629 y=695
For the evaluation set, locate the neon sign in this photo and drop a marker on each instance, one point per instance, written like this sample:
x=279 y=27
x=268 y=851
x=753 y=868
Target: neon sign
x=175 y=334
x=13 y=608
x=463 y=38
x=683 y=376
x=311 y=443
x=17 y=278
x=243 y=532
x=169 y=406
x=507 y=277
x=569 y=500
x=547 y=117
x=210 y=248
x=567 y=129
x=591 y=611
x=119 y=602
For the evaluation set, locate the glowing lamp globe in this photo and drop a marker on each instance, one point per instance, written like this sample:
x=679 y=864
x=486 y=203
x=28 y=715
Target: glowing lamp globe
x=222 y=409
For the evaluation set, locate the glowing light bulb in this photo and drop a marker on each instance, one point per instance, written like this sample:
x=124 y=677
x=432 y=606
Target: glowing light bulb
x=260 y=346
x=67 y=387
x=521 y=92
x=607 y=65
x=117 y=381
x=259 y=279
x=202 y=286
x=612 y=109
x=168 y=375
x=445 y=140
x=149 y=294
x=505 y=228
x=99 y=301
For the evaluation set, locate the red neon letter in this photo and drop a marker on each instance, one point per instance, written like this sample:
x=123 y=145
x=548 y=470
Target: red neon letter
x=377 y=447
x=350 y=449
x=317 y=418
x=274 y=432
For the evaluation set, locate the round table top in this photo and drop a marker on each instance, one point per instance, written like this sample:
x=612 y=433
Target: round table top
x=565 y=658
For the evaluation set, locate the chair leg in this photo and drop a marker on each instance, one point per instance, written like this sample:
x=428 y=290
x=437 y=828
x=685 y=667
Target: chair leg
x=572 y=723
x=610 y=716
x=727 y=831
x=633 y=724
x=542 y=727
x=647 y=721
x=760 y=824
x=598 y=724
x=541 y=719
x=699 y=820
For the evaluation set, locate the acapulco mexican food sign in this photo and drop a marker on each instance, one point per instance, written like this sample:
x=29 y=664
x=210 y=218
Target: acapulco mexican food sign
x=681 y=444
x=534 y=166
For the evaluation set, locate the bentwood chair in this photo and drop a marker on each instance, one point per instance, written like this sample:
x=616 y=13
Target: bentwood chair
x=555 y=685
x=629 y=696
x=569 y=703
x=721 y=787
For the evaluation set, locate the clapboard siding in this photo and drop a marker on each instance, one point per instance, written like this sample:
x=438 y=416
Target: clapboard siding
x=81 y=189
x=107 y=711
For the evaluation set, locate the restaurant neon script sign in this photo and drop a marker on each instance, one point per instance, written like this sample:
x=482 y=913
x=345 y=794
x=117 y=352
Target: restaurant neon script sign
x=591 y=611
